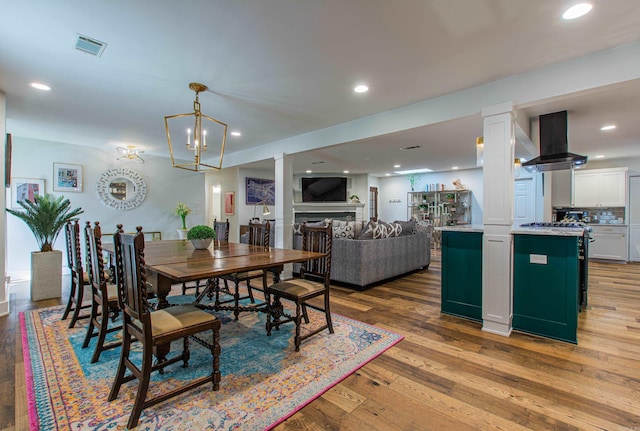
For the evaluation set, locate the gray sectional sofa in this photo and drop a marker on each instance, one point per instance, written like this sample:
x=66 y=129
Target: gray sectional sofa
x=363 y=262
x=362 y=254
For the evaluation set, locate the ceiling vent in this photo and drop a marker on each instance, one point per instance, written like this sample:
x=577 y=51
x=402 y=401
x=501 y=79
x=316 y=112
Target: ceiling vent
x=413 y=147
x=89 y=45
x=317 y=163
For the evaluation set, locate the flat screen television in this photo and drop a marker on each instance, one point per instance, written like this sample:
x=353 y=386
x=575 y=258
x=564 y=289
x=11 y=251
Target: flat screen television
x=324 y=189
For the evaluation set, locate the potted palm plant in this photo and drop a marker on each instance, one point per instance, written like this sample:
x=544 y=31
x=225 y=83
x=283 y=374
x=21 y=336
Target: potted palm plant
x=46 y=216
x=201 y=236
x=182 y=211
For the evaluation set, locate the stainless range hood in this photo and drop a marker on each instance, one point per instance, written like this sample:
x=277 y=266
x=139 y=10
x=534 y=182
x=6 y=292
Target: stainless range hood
x=554 y=154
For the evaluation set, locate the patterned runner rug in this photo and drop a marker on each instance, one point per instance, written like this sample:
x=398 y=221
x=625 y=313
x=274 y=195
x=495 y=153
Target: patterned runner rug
x=263 y=380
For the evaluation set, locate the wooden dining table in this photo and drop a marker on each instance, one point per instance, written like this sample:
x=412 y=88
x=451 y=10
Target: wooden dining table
x=170 y=262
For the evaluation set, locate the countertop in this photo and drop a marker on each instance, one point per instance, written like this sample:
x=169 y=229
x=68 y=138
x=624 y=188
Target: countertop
x=462 y=228
x=517 y=230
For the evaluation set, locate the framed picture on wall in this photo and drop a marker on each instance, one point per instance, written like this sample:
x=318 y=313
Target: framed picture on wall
x=67 y=178
x=229 y=203
x=25 y=189
x=260 y=190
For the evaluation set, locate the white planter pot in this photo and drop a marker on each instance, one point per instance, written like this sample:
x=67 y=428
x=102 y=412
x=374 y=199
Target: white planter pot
x=46 y=275
x=201 y=244
x=182 y=233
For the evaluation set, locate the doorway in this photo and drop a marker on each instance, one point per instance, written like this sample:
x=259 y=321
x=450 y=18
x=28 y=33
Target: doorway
x=524 y=210
x=373 y=203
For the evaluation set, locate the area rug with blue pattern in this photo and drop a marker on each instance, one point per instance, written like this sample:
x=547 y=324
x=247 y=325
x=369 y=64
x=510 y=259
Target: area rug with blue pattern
x=264 y=381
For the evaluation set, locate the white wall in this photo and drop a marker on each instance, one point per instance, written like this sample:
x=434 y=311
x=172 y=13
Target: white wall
x=4 y=297
x=165 y=187
x=393 y=192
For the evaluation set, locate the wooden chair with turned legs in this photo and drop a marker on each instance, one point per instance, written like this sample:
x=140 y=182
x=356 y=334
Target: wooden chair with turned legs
x=313 y=283
x=104 y=295
x=155 y=329
x=79 y=278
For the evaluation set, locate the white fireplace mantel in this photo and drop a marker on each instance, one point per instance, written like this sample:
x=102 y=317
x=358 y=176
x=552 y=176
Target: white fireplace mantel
x=329 y=207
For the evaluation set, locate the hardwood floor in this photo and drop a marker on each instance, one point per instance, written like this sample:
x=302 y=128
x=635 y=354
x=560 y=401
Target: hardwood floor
x=447 y=374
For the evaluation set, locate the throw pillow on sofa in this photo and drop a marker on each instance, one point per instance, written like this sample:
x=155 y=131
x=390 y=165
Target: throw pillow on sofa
x=344 y=229
x=378 y=230
x=407 y=227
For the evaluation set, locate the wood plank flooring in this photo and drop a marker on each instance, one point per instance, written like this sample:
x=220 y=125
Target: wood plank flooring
x=447 y=374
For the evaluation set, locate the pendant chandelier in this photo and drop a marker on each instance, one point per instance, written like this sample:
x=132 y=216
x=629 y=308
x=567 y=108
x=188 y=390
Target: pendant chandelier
x=199 y=139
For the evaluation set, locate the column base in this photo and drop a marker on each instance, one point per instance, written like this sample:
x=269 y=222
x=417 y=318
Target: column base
x=497 y=328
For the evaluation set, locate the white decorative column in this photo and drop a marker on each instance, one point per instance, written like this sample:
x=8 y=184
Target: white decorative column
x=498 y=202
x=284 y=205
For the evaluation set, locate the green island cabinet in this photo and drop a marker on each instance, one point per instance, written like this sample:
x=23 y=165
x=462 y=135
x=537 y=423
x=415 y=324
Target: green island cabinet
x=461 y=279
x=545 y=285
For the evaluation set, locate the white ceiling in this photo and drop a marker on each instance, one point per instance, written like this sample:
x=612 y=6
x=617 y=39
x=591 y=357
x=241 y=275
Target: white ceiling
x=277 y=69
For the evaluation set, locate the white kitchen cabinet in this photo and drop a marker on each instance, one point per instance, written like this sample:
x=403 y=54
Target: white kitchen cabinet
x=611 y=242
x=599 y=188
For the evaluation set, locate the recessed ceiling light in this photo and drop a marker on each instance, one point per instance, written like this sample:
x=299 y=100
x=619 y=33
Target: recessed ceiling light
x=608 y=127
x=40 y=86
x=599 y=156
x=577 y=11
x=236 y=133
x=396 y=166
x=308 y=171
x=455 y=168
x=346 y=172
x=361 y=88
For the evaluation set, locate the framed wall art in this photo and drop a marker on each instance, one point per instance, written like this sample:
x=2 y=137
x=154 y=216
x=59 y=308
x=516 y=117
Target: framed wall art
x=229 y=203
x=67 y=178
x=25 y=189
x=260 y=190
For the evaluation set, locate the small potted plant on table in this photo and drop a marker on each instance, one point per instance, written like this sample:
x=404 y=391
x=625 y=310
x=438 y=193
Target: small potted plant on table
x=182 y=211
x=201 y=236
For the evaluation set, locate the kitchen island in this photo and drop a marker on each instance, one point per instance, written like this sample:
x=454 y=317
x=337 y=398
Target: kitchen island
x=549 y=277
x=461 y=280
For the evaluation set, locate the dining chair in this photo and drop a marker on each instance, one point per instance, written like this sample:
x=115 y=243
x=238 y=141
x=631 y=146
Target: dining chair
x=258 y=235
x=222 y=230
x=222 y=234
x=104 y=295
x=155 y=329
x=79 y=277
x=313 y=283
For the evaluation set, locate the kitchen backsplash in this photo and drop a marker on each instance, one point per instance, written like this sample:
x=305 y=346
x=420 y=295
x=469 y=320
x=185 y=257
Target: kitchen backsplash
x=614 y=215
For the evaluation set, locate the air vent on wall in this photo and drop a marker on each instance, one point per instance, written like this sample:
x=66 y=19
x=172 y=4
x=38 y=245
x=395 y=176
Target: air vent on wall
x=317 y=163
x=89 y=45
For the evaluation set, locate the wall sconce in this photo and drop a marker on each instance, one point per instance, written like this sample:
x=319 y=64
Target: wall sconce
x=265 y=210
x=517 y=167
x=480 y=151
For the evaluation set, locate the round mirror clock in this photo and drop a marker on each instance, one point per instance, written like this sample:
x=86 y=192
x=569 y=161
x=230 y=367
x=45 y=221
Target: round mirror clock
x=122 y=189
